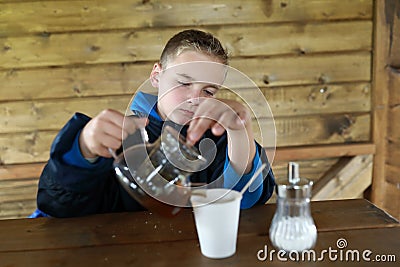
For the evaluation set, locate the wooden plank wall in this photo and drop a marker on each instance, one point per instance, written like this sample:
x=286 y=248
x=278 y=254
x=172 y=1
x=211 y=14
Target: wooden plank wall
x=311 y=59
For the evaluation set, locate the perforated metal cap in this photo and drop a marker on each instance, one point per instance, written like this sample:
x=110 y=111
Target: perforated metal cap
x=301 y=189
x=293 y=186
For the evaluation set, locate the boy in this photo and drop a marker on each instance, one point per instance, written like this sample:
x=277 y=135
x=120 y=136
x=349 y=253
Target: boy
x=79 y=178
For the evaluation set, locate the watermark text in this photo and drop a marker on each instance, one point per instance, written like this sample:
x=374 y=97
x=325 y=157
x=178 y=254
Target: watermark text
x=340 y=253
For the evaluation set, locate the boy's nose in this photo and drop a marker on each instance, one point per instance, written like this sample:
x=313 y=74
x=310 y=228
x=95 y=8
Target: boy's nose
x=194 y=96
x=195 y=100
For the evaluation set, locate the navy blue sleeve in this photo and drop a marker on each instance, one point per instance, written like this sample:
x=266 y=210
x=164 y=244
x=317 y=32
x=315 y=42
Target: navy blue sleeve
x=261 y=189
x=236 y=182
x=74 y=156
x=66 y=190
x=269 y=178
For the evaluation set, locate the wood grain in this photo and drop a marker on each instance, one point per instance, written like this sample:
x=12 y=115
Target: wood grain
x=77 y=81
x=392 y=204
x=18 y=209
x=394 y=82
x=21 y=116
x=392 y=175
x=323 y=151
x=71 y=16
x=144 y=45
x=313 y=161
x=25 y=116
x=30 y=147
x=350 y=181
x=311 y=169
x=26 y=147
x=119 y=79
x=312 y=130
x=304 y=100
x=315 y=69
x=385 y=115
x=20 y=171
x=187 y=252
x=146 y=227
x=18 y=200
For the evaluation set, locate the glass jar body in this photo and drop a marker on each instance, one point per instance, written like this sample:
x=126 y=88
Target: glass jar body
x=292 y=227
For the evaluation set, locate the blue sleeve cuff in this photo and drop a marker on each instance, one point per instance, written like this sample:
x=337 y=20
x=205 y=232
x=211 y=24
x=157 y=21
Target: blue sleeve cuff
x=75 y=158
x=38 y=214
x=236 y=182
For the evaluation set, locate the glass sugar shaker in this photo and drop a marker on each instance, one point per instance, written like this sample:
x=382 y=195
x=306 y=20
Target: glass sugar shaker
x=292 y=227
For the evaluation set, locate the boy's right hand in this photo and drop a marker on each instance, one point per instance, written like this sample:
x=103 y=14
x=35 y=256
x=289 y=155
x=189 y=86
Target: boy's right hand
x=106 y=131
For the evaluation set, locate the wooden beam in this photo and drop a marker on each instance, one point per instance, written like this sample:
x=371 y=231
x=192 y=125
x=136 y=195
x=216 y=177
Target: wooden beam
x=380 y=95
x=347 y=181
x=324 y=151
x=330 y=174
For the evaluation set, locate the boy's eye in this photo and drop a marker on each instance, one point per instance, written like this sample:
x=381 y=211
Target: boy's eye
x=185 y=83
x=209 y=92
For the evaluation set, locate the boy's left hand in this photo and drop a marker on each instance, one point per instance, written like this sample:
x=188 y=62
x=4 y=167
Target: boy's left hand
x=218 y=115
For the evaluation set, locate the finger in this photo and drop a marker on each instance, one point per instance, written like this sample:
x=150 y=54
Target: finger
x=111 y=142
x=243 y=118
x=228 y=119
x=197 y=128
x=217 y=129
x=113 y=116
x=112 y=130
x=131 y=124
x=107 y=142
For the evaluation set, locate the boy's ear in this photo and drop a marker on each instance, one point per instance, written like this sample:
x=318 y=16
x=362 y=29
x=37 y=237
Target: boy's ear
x=155 y=75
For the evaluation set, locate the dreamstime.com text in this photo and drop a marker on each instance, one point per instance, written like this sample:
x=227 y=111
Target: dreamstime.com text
x=340 y=253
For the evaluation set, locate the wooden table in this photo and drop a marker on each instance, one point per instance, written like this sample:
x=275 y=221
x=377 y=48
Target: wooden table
x=145 y=239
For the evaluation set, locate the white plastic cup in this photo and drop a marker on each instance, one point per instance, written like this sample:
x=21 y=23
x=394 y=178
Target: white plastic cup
x=216 y=213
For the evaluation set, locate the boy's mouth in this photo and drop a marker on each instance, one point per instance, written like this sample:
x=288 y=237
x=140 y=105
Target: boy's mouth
x=187 y=112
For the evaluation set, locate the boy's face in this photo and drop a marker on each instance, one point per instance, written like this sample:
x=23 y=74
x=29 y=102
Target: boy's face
x=183 y=83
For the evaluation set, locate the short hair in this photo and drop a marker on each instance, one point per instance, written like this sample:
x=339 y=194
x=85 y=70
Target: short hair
x=194 y=40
